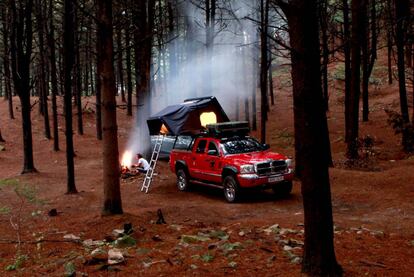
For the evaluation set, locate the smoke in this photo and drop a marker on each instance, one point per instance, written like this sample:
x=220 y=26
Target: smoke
x=185 y=68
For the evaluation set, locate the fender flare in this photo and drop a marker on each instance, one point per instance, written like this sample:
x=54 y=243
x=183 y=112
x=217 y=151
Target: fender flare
x=228 y=169
x=180 y=163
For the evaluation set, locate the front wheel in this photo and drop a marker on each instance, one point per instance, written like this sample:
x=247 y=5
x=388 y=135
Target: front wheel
x=182 y=180
x=231 y=189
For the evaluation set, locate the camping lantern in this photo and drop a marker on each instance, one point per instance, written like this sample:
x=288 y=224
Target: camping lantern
x=208 y=118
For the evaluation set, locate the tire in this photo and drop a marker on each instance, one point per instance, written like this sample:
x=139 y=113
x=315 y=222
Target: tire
x=231 y=189
x=182 y=180
x=283 y=189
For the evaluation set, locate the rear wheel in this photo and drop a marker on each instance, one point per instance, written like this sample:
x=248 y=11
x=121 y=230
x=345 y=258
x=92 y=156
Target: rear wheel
x=283 y=189
x=182 y=180
x=231 y=189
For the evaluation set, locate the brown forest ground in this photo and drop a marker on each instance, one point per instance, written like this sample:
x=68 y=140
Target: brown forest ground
x=373 y=207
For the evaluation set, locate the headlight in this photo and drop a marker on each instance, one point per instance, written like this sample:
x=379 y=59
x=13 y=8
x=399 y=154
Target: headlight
x=289 y=163
x=247 y=169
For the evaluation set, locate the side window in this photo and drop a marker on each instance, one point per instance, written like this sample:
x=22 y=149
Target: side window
x=212 y=149
x=201 y=146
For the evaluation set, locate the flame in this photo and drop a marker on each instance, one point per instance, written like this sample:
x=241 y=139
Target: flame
x=127 y=159
x=208 y=118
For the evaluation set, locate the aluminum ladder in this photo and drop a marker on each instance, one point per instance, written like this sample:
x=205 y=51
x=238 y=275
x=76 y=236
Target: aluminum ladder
x=153 y=162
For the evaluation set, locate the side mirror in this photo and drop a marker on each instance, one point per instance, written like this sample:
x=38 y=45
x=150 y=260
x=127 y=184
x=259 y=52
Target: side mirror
x=266 y=146
x=212 y=152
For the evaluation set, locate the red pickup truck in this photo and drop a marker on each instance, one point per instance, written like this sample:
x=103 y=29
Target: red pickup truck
x=232 y=161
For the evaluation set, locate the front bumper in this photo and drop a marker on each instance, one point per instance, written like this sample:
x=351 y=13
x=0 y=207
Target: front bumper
x=265 y=181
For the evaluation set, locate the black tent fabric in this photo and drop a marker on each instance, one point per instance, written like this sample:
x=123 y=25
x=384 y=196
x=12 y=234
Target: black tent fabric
x=184 y=118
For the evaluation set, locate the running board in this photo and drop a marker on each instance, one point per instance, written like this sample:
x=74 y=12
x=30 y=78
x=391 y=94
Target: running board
x=206 y=184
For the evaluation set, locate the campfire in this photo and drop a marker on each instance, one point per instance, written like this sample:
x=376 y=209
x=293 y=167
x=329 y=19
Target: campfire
x=126 y=162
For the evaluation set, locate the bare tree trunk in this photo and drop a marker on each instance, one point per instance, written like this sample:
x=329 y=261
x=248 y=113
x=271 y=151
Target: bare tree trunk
x=77 y=83
x=310 y=139
x=390 y=35
x=402 y=9
x=264 y=10
x=21 y=51
x=120 y=64
x=143 y=45
x=246 y=85
x=6 y=61
x=389 y=57
x=111 y=169
x=255 y=82
x=365 y=73
x=128 y=71
x=42 y=76
x=271 y=89
x=323 y=21
x=358 y=33
x=347 y=64
x=210 y=23
x=53 y=76
x=173 y=45
x=369 y=56
x=68 y=60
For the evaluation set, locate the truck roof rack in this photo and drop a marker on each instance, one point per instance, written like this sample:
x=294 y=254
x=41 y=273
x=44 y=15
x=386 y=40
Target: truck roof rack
x=228 y=129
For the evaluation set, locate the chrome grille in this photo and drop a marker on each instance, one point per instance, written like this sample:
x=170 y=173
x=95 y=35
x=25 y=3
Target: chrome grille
x=271 y=167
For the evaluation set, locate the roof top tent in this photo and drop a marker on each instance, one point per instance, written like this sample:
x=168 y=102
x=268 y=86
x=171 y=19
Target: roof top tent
x=188 y=118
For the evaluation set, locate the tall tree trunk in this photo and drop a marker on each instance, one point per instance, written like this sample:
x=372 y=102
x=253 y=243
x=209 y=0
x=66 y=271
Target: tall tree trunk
x=270 y=77
x=77 y=84
x=323 y=21
x=143 y=45
x=358 y=33
x=68 y=60
x=173 y=45
x=53 y=76
x=42 y=76
x=310 y=139
x=210 y=23
x=128 y=70
x=111 y=170
x=402 y=9
x=6 y=60
x=390 y=31
x=264 y=10
x=365 y=73
x=255 y=81
x=21 y=52
x=246 y=85
x=371 y=56
x=347 y=65
x=98 y=97
x=120 y=64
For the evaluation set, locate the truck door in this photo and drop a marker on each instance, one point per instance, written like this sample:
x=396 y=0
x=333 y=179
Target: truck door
x=211 y=163
x=196 y=163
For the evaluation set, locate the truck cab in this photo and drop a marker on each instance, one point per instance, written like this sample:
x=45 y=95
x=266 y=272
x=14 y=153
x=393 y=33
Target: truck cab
x=226 y=157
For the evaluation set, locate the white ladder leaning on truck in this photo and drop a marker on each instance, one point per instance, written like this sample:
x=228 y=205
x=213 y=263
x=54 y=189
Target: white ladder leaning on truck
x=153 y=162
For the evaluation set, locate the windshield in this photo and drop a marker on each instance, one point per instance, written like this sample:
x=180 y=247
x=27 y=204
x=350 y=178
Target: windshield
x=241 y=145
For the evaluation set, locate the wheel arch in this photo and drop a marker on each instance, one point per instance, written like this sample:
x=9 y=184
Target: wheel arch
x=180 y=164
x=228 y=170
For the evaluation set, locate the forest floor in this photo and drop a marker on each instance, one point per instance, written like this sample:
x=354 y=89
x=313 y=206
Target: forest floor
x=373 y=208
